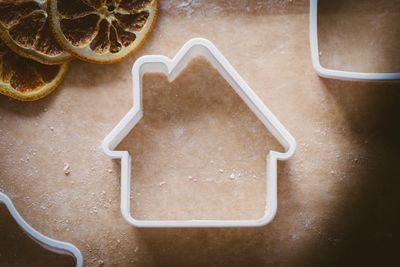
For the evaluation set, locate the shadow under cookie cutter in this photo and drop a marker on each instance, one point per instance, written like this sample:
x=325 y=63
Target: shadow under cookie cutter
x=44 y=241
x=172 y=67
x=338 y=74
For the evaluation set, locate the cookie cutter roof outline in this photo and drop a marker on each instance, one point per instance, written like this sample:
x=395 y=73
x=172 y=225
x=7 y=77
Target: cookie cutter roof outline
x=332 y=73
x=172 y=67
x=44 y=241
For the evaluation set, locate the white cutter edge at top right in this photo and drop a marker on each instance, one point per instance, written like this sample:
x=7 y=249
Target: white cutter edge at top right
x=338 y=74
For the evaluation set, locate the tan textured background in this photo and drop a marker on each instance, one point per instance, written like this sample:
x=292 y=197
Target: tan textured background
x=338 y=197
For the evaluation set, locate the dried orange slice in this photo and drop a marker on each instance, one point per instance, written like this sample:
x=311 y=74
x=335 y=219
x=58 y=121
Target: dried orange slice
x=24 y=27
x=102 y=31
x=25 y=79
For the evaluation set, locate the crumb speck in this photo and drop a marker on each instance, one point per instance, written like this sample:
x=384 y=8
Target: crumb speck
x=163 y=183
x=67 y=169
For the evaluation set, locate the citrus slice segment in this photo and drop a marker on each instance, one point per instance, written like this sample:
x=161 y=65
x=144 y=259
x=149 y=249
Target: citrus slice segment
x=102 y=31
x=25 y=79
x=24 y=27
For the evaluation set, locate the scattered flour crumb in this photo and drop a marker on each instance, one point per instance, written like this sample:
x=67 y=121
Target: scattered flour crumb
x=67 y=169
x=221 y=170
x=93 y=210
x=190 y=177
x=178 y=132
x=234 y=175
x=109 y=170
x=295 y=237
x=51 y=128
x=163 y=183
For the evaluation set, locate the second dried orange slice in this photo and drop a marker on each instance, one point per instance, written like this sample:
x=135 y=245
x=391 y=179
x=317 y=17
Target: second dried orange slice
x=25 y=79
x=102 y=31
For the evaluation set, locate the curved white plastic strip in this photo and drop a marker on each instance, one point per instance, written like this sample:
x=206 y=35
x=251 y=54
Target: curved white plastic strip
x=193 y=48
x=337 y=74
x=46 y=242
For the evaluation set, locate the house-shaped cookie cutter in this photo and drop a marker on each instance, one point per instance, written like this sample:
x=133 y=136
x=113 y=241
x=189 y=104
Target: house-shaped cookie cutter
x=44 y=241
x=337 y=74
x=172 y=67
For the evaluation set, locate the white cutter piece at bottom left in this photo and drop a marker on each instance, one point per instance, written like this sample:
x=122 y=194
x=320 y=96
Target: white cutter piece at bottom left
x=44 y=241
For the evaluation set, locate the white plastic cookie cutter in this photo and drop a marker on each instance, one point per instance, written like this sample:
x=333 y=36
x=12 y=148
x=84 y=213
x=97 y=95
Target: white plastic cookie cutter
x=156 y=63
x=46 y=242
x=337 y=74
